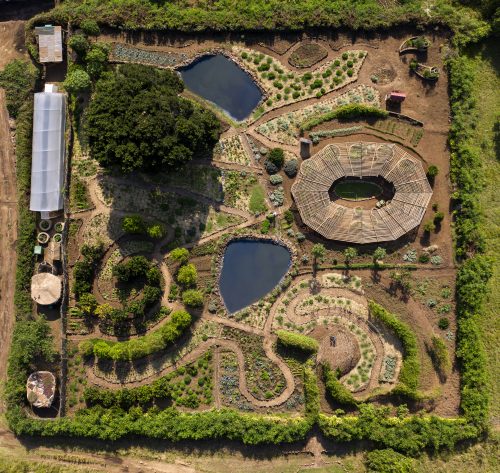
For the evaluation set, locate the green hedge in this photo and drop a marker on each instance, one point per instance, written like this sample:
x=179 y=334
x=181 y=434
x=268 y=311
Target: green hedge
x=311 y=394
x=297 y=341
x=338 y=392
x=169 y=424
x=411 y=434
x=344 y=113
x=140 y=346
x=26 y=225
x=410 y=369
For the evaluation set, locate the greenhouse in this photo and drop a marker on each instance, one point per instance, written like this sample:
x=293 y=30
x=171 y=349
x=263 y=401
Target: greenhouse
x=47 y=170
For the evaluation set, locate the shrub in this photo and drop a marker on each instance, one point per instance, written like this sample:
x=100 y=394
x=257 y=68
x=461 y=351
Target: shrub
x=192 y=298
x=77 y=81
x=133 y=224
x=438 y=218
x=180 y=255
x=265 y=227
x=79 y=44
x=18 y=79
x=288 y=215
x=429 y=227
x=349 y=254
x=96 y=60
x=156 y=231
x=432 y=172
x=187 y=275
x=135 y=267
x=271 y=168
x=311 y=394
x=345 y=56
x=388 y=461
x=337 y=391
x=90 y=27
x=424 y=258
x=379 y=254
x=440 y=356
x=297 y=341
x=443 y=323
x=291 y=167
x=277 y=157
x=275 y=179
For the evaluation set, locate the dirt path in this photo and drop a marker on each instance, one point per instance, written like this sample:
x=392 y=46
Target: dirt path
x=8 y=224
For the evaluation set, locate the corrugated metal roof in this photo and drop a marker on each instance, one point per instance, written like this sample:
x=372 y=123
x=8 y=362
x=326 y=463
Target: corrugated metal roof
x=49 y=43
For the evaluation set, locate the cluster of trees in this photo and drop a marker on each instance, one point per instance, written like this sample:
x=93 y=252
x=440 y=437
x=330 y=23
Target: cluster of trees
x=137 y=121
x=142 y=346
x=346 y=112
x=297 y=341
x=410 y=369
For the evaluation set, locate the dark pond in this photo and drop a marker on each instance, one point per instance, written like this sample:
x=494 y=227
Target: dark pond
x=221 y=81
x=251 y=269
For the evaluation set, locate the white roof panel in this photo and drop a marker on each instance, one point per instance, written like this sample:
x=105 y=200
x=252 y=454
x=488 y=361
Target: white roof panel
x=47 y=166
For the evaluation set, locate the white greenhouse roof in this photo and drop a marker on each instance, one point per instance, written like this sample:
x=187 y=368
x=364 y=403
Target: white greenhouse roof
x=47 y=167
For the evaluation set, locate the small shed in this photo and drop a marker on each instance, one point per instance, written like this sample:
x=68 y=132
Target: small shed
x=41 y=388
x=46 y=288
x=395 y=96
x=49 y=43
x=305 y=148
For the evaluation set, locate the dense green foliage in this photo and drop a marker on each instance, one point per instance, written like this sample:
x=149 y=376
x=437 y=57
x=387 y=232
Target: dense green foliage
x=84 y=270
x=410 y=369
x=192 y=298
x=18 y=79
x=231 y=15
x=311 y=394
x=169 y=424
x=297 y=341
x=346 y=112
x=337 y=391
x=180 y=255
x=388 y=461
x=187 y=275
x=411 y=434
x=440 y=356
x=142 y=346
x=277 y=157
x=26 y=225
x=31 y=343
x=171 y=132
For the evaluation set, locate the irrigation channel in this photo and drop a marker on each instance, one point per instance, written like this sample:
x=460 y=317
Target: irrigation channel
x=221 y=81
x=250 y=270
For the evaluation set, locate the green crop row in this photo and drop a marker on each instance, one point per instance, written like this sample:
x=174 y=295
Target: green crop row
x=297 y=341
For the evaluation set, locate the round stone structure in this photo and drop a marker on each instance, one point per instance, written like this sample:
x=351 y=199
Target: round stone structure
x=334 y=221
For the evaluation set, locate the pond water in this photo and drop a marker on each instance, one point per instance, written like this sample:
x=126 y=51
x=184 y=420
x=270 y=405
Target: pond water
x=250 y=270
x=221 y=81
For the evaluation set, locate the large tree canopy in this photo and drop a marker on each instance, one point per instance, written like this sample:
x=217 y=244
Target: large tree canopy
x=137 y=120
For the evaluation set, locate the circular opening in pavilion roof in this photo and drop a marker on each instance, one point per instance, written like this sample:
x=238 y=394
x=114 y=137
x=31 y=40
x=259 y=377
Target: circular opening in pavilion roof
x=355 y=189
x=398 y=209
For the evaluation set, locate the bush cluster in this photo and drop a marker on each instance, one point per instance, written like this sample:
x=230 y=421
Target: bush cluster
x=135 y=224
x=140 y=346
x=18 y=79
x=84 y=270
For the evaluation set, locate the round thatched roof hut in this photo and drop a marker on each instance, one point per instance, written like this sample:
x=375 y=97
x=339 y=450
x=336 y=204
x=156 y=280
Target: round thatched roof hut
x=41 y=388
x=45 y=288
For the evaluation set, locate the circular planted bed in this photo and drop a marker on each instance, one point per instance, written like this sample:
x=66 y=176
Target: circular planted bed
x=45 y=225
x=43 y=238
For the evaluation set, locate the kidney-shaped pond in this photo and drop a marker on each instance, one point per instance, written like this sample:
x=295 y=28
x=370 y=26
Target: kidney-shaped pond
x=221 y=81
x=251 y=269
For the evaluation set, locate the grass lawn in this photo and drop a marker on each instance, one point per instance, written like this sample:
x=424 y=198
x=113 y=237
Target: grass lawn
x=486 y=61
x=354 y=190
x=257 y=203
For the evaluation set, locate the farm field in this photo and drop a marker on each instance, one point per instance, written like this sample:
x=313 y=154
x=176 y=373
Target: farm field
x=347 y=210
